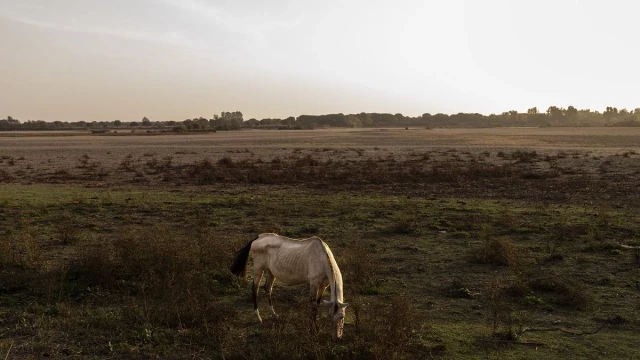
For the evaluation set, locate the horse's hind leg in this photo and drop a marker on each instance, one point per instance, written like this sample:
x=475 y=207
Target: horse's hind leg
x=268 y=287
x=257 y=277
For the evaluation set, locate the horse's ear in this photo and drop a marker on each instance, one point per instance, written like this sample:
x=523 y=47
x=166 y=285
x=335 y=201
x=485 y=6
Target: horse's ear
x=343 y=305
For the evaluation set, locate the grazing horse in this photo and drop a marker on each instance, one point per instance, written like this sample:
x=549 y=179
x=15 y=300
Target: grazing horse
x=294 y=262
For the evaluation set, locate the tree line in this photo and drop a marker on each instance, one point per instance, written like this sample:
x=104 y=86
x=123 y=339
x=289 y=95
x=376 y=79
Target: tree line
x=553 y=116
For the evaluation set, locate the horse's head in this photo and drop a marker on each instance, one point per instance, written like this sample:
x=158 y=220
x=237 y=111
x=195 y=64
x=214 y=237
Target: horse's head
x=336 y=311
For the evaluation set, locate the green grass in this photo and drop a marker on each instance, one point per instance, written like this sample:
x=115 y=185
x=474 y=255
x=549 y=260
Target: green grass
x=145 y=273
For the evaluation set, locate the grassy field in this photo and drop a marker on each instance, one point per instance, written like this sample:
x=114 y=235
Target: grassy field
x=461 y=243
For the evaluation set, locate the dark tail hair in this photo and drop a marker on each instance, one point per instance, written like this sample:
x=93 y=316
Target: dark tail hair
x=239 y=266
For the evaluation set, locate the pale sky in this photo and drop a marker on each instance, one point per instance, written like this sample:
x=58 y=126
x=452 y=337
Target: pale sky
x=97 y=60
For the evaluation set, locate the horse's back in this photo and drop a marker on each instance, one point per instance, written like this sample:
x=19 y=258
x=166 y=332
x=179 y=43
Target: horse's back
x=271 y=241
x=290 y=260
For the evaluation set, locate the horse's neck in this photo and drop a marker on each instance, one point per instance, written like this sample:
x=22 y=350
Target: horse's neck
x=335 y=277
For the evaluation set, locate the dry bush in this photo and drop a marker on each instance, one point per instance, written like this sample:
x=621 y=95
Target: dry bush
x=390 y=331
x=360 y=272
x=5 y=176
x=309 y=169
x=20 y=248
x=62 y=175
x=451 y=171
x=406 y=223
x=540 y=175
x=94 y=266
x=203 y=172
x=65 y=228
x=83 y=161
x=563 y=291
x=126 y=164
x=360 y=269
x=496 y=251
x=293 y=335
x=226 y=162
x=499 y=308
x=177 y=274
x=524 y=156
x=308 y=160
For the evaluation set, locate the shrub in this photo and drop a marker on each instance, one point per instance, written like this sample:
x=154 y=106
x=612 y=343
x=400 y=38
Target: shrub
x=226 y=162
x=564 y=292
x=178 y=274
x=499 y=309
x=66 y=228
x=20 y=248
x=496 y=251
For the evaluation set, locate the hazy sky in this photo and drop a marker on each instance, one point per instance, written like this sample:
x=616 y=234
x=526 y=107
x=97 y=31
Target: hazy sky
x=176 y=59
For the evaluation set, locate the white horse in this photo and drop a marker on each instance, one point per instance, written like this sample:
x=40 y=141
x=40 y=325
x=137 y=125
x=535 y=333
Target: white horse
x=294 y=262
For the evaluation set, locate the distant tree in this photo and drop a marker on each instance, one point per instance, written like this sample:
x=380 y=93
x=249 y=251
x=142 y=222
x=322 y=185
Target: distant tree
x=201 y=123
x=251 y=123
x=440 y=119
x=290 y=121
x=117 y=123
x=610 y=113
x=571 y=112
x=145 y=121
x=555 y=113
x=533 y=111
x=365 y=119
x=513 y=116
x=383 y=119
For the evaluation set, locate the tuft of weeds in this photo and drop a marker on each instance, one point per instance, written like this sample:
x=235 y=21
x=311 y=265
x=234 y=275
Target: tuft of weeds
x=62 y=175
x=524 y=156
x=563 y=292
x=20 y=248
x=5 y=176
x=308 y=160
x=65 y=228
x=226 y=162
x=404 y=224
x=94 y=266
x=457 y=289
x=127 y=164
x=496 y=251
x=83 y=161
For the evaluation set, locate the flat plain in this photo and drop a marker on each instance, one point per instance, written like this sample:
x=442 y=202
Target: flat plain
x=453 y=243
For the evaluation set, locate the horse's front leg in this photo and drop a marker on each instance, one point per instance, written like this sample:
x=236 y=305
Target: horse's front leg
x=268 y=288
x=314 y=289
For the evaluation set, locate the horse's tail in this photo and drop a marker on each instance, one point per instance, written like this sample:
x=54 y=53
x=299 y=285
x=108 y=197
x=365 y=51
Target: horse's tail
x=239 y=266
